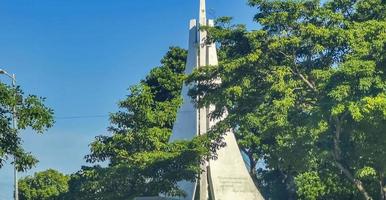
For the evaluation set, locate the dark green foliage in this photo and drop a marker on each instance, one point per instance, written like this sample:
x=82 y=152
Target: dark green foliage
x=306 y=94
x=47 y=185
x=30 y=113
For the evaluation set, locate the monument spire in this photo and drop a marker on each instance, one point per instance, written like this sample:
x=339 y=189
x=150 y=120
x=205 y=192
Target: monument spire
x=227 y=177
x=202 y=15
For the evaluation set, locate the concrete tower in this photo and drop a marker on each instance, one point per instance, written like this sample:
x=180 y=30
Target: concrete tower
x=226 y=178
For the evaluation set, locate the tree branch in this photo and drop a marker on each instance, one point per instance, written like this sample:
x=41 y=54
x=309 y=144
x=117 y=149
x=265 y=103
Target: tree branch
x=297 y=73
x=337 y=158
x=312 y=86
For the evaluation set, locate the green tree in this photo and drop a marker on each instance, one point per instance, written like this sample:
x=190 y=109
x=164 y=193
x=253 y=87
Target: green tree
x=306 y=94
x=30 y=113
x=46 y=185
x=141 y=162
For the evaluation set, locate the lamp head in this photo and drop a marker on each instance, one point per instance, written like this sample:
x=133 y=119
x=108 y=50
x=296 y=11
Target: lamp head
x=2 y=71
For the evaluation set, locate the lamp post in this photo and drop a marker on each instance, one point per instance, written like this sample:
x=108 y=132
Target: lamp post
x=14 y=124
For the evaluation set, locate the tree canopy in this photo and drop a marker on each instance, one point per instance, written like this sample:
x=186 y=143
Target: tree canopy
x=306 y=94
x=141 y=161
x=30 y=113
x=47 y=185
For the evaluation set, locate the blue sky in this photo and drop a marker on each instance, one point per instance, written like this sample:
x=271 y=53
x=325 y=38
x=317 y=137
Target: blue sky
x=83 y=55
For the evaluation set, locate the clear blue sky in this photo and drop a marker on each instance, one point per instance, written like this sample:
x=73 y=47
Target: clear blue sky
x=83 y=55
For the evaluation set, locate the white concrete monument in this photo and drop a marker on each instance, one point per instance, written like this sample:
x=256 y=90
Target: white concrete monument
x=227 y=177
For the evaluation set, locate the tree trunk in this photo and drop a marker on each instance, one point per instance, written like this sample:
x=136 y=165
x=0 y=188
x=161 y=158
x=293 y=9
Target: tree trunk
x=291 y=187
x=337 y=155
x=252 y=168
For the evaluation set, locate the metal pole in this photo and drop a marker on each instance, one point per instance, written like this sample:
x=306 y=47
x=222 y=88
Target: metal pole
x=14 y=118
x=14 y=125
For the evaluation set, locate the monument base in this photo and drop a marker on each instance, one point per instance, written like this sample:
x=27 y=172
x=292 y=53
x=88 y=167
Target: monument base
x=229 y=177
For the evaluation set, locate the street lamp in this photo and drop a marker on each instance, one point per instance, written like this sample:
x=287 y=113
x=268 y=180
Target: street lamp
x=14 y=124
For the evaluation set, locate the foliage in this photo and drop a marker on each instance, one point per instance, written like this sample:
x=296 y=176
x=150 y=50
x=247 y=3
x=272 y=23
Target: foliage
x=46 y=185
x=141 y=162
x=306 y=94
x=309 y=185
x=30 y=113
